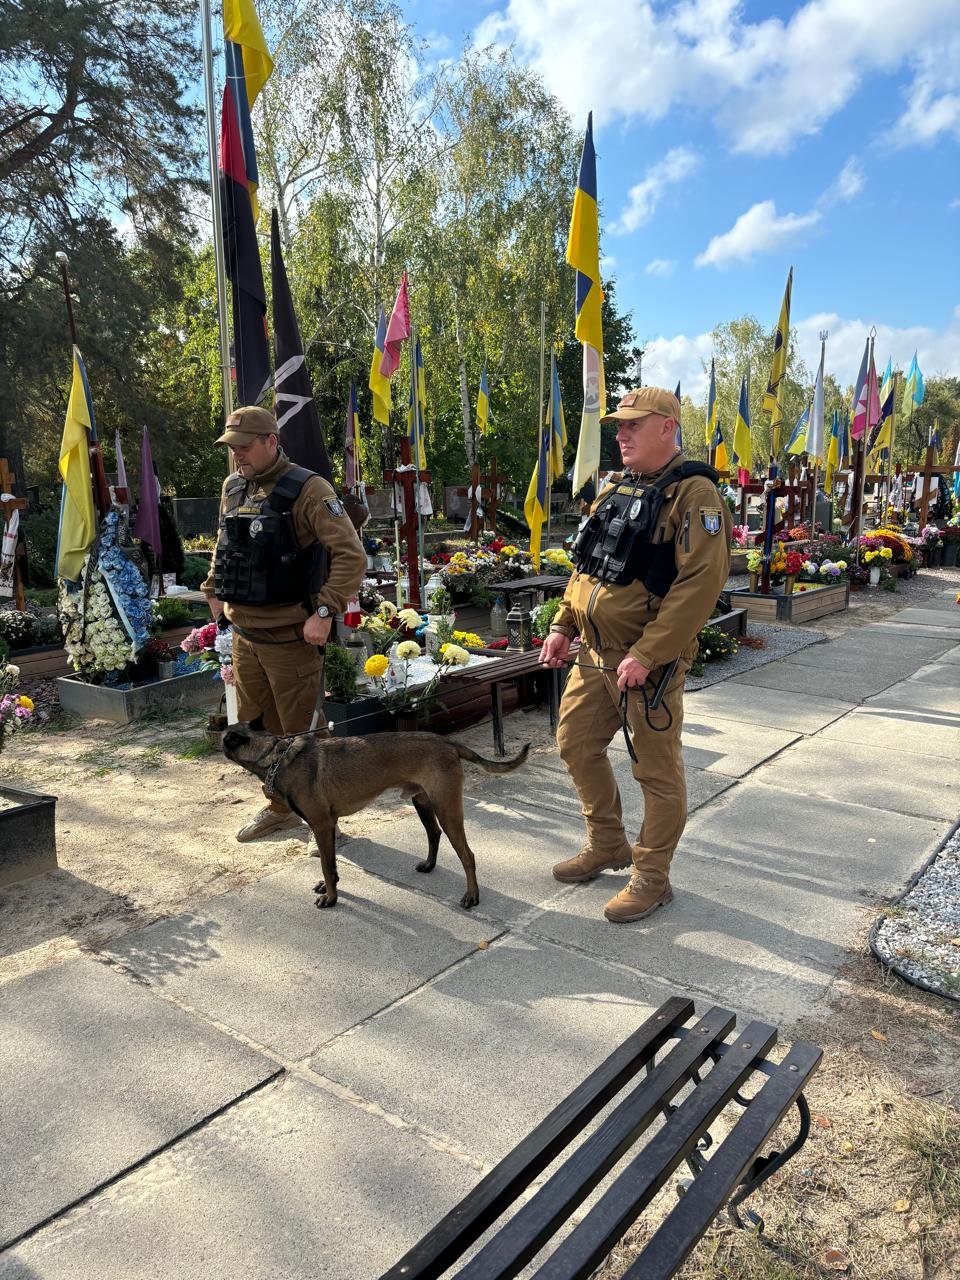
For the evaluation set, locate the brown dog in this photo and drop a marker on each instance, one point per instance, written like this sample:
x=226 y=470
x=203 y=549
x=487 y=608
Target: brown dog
x=322 y=779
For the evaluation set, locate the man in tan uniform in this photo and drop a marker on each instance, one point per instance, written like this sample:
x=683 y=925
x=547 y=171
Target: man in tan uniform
x=651 y=561
x=287 y=560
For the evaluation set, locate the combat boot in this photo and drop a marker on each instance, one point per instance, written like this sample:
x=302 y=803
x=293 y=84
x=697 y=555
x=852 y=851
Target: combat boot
x=267 y=820
x=588 y=864
x=640 y=898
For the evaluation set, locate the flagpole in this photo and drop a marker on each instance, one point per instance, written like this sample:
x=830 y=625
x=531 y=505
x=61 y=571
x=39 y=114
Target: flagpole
x=893 y=434
x=415 y=455
x=543 y=348
x=862 y=445
x=217 y=220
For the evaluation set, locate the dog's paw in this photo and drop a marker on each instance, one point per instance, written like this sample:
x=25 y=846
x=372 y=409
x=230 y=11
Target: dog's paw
x=323 y=901
x=320 y=886
x=426 y=865
x=469 y=900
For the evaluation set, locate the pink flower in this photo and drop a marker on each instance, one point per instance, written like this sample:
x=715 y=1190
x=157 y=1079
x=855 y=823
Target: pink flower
x=226 y=674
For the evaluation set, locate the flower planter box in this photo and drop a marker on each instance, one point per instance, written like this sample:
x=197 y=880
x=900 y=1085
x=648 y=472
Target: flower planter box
x=738 y=561
x=363 y=715
x=28 y=840
x=48 y=661
x=121 y=706
x=732 y=623
x=800 y=607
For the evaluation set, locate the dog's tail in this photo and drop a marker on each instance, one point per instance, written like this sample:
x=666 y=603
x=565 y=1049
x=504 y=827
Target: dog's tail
x=491 y=766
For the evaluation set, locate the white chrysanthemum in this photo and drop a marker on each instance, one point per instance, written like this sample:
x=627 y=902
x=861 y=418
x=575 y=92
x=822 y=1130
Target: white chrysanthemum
x=408 y=649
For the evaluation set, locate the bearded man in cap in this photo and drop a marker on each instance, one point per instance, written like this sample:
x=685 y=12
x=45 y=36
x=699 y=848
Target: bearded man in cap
x=287 y=560
x=652 y=558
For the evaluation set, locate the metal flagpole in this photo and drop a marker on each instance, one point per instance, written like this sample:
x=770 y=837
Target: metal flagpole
x=218 y=258
x=862 y=442
x=543 y=348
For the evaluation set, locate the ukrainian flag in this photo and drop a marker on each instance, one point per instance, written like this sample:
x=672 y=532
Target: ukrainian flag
x=483 y=403
x=556 y=423
x=535 y=504
x=935 y=441
x=710 y=429
x=248 y=65
x=913 y=390
x=797 y=443
x=416 y=409
x=833 y=455
x=882 y=441
x=351 y=441
x=721 y=459
x=742 y=444
x=78 y=525
x=772 y=397
x=583 y=254
x=378 y=384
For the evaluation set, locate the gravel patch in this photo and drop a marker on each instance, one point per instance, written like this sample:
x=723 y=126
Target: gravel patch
x=778 y=642
x=919 y=937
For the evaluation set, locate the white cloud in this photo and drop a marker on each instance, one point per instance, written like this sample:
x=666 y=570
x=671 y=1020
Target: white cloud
x=667 y=359
x=660 y=267
x=758 y=230
x=933 y=99
x=955 y=204
x=607 y=263
x=761 y=229
x=766 y=82
x=643 y=198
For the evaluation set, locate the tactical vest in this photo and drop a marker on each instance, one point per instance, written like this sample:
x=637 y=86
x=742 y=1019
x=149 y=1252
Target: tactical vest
x=258 y=558
x=617 y=543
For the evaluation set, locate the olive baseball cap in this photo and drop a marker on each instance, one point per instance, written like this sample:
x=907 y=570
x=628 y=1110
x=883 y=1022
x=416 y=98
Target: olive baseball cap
x=637 y=404
x=246 y=423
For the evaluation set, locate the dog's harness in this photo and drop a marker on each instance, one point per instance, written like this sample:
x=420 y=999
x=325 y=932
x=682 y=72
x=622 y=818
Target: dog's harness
x=269 y=788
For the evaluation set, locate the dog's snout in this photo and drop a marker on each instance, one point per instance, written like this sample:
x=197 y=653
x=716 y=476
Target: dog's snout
x=231 y=739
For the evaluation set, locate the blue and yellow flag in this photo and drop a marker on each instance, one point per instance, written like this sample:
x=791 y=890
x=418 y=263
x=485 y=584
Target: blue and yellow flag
x=535 y=504
x=881 y=441
x=483 y=403
x=742 y=443
x=913 y=389
x=773 y=396
x=416 y=409
x=833 y=455
x=721 y=459
x=78 y=524
x=710 y=428
x=556 y=423
x=797 y=443
x=378 y=384
x=248 y=65
x=935 y=441
x=583 y=254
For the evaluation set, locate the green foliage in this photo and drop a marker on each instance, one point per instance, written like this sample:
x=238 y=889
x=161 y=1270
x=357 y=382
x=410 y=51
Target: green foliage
x=169 y=612
x=47 y=630
x=339 y=674
x=18 y=629
x=4 y=650
x=43 y=597
x=40 y=530
x=544 y=616
x=195 y=571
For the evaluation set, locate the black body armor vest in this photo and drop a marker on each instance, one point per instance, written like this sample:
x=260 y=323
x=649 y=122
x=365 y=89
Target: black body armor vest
x=258 y=559
x=617 y=542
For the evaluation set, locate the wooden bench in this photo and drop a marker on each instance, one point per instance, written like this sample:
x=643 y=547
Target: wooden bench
x=512 y=668
x=544 y=584
x=642 y=1090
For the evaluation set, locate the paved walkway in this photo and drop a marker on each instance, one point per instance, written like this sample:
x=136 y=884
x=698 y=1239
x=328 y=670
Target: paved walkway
x=261 y=1090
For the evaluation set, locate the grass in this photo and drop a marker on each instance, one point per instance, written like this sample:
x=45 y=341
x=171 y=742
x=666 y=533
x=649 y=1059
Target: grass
x=930 y=1135
x=151 y=758
x=102 y=757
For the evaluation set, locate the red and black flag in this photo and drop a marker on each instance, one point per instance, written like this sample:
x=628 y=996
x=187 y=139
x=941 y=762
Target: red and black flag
x=297 y=418
x=250 y=343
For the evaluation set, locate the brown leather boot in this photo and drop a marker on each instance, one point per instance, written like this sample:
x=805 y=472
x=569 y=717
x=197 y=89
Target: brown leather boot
x=640 y=897
x=268 y=820
x=588 y=864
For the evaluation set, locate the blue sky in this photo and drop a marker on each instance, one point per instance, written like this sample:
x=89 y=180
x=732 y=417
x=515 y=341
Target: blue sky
x=736 y=139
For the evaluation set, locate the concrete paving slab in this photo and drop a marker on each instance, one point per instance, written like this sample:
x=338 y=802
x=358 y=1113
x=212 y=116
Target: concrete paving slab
x=891 y=651
x=914 y=695
x=96 y=1073
x=291 y=1183
x=951 y=656
x=483 y=1053
x=752 y=704
x=727 y=746
x=945 y=675
x=789 y=837
x=918 y=731
x=515 y=842
x=756 y=943
x=265 y=962
x=926 y=786
x=821 y=681
x=944 y=619
x=947 y=634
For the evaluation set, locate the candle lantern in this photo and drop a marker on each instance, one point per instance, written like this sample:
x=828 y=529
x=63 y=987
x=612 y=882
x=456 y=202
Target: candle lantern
x=519 y=629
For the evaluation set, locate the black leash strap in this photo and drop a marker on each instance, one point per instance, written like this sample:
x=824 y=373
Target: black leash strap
x=649 y=704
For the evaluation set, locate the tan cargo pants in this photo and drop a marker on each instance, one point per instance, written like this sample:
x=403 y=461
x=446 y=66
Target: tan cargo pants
x=278 y=681
x=590 y=718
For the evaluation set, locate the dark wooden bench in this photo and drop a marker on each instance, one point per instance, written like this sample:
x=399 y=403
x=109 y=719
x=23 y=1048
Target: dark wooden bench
x=641 y=1089
x=512 y=668
x=544 y=584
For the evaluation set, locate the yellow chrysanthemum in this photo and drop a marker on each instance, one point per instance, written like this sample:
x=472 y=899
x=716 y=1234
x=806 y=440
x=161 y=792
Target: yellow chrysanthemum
x=376 y=665
x=24 y=701
x=387 y=609
x=454 y=656
x=468 y=639
x=510 y=550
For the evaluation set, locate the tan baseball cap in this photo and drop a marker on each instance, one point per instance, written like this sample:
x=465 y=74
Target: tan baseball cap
x=637 y=404
x=246 y=423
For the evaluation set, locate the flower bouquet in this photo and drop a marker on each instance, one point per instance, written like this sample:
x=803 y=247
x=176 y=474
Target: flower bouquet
x=393 y=678
x=16 y=710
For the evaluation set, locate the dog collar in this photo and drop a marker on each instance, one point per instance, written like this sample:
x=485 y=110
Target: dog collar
x=269 y=781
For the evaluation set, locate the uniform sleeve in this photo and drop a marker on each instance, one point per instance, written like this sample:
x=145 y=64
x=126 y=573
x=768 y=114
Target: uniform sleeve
x=320 y=517
x=702 y=545
x=207 y=586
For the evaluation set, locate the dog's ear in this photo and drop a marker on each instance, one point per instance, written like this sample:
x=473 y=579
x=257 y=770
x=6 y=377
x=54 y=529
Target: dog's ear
x=256 y=726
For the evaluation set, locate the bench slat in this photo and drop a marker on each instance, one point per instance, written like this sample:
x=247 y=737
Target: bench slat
x=674 y=1240
x=468 y=1220
x=535 y=1223
x=582 y=1252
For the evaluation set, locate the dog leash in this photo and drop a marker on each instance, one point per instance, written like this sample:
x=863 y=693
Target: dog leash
x=268 y=782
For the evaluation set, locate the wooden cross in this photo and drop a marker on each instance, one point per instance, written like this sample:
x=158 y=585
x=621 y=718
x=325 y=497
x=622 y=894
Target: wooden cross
x=8 y=506
x=491 y=486
x=408 y=482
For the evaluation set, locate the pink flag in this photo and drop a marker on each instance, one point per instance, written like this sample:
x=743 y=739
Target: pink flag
x=147 y=527
x=867 y=413
x=398 y=330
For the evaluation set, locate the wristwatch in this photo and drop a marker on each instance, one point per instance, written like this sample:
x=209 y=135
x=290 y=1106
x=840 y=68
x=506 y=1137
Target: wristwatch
x=323 y=611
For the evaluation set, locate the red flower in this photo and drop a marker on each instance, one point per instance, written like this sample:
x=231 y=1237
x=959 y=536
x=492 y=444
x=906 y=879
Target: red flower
x=795 y=562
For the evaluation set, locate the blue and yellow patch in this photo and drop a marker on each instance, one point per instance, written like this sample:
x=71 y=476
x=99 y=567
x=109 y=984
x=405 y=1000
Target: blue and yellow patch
x=711 y=519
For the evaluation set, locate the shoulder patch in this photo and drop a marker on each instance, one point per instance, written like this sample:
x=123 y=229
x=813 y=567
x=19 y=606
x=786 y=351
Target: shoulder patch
x=334 y=506
x=711 y=519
